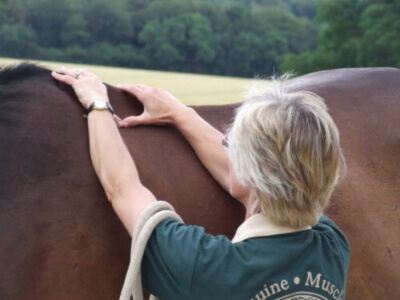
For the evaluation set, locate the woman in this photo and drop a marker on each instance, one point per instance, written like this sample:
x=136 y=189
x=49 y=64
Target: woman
x=281 y=158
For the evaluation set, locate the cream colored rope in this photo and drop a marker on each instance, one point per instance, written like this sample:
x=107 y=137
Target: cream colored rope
x=155 y=213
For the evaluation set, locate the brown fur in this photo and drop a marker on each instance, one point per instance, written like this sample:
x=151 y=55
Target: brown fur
x=61 y=240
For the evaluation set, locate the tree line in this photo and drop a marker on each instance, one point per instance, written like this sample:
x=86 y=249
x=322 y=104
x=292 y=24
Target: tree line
x=226 y=37
x=353 y=33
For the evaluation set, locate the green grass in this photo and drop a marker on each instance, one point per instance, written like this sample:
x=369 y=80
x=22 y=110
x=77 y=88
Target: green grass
x=191 y=89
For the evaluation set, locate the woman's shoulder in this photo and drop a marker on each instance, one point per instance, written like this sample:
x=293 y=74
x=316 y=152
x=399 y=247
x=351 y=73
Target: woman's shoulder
x=330 y=230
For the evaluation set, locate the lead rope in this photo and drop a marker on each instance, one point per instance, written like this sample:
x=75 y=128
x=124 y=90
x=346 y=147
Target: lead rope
x=155 y=213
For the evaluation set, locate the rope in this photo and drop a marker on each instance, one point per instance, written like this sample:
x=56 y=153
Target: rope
x=155 y=213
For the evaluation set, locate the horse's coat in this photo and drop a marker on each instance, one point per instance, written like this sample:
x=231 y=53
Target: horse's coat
x=61 y=240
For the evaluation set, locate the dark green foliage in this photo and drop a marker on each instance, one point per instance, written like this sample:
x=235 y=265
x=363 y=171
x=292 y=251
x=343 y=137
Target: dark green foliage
x=354 y=33
x=18 y=40
x=380 y=44
x=227 y=37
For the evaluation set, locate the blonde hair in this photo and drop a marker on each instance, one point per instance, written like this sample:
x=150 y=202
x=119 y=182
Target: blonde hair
x=286 y=147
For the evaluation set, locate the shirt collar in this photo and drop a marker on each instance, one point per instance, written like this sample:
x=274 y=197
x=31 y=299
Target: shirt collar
x=259 y=225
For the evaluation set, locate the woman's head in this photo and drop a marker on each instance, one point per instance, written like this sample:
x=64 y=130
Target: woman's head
x=285 y=146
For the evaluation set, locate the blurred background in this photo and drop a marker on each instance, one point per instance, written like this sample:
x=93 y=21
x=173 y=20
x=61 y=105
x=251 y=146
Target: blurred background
x=240 y=38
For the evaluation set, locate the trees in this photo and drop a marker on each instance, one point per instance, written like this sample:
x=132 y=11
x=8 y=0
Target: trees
x=380 y=43
x=230 y=37
x=355 y=33
x=18 y=40
x=183 y=43
x=47 y=26
x=252 y=54
x=108 y=21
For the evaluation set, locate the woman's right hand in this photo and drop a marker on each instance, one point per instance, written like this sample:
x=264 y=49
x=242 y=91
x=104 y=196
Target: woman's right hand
x=160 y=106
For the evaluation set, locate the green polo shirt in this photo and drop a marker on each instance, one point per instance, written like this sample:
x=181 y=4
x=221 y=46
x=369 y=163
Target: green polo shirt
x=262 y=262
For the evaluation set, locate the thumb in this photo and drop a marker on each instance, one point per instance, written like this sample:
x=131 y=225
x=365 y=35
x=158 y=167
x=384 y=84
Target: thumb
x=117 y=120
x=134 y=121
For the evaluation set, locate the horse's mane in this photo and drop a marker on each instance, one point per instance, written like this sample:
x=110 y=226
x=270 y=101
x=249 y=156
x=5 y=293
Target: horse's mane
x=18 y=83
x=20 y=72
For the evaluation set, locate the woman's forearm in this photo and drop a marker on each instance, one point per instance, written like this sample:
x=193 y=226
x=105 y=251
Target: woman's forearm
x=116 y=169
x=108 y=153
x=207 y=143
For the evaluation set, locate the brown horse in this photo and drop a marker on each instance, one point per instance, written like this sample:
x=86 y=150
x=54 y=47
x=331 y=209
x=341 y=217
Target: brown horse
x=61 y=240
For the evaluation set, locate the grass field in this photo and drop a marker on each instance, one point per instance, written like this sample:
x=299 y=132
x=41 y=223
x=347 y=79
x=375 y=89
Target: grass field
x=191 y=89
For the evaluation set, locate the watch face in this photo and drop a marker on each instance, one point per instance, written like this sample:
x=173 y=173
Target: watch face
x=100 y=104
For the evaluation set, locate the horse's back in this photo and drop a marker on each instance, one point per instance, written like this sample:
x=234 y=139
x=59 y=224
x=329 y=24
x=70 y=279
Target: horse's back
x=61 y=239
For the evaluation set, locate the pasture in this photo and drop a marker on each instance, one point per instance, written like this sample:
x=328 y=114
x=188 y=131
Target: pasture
x=191 y=89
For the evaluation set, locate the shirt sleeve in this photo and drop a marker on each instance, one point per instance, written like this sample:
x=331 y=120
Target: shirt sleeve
x=331 y=230
x=326 y=224
x=170 y=258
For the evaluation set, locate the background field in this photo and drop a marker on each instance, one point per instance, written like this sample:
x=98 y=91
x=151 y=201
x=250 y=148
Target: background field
x=191 y=89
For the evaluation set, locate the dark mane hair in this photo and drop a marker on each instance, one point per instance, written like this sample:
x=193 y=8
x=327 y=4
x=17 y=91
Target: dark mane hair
x=20 y=72
x=19 y=82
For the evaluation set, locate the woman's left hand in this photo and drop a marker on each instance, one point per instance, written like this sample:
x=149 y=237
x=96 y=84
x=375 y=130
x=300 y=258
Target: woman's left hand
x=87 y=86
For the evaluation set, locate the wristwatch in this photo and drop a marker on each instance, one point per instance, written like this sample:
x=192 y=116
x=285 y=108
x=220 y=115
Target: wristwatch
x=100 y=105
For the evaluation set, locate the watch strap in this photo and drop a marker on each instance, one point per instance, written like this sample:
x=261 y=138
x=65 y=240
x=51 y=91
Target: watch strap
x=93 y=107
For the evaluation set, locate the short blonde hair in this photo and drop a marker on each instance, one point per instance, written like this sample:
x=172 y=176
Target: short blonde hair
x=286 y=147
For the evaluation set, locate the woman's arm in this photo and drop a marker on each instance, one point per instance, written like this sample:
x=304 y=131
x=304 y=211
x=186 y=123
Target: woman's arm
x=116 y=169
x=161 y=108
x=110 y=157
x=206 y=141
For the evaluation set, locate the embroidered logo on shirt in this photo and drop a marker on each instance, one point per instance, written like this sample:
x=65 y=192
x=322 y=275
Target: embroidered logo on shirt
x=302 y=296
x=310 y=282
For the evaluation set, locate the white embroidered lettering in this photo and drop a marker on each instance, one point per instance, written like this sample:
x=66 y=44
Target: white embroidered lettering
x=325 y=285
x=284 y=285
x=271 y=290
x=266 y=290
x=332 y=289
x=273 y=286
x=313 y=281
x=334 y=293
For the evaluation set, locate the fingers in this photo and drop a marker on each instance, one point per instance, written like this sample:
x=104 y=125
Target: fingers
x=72 y=72
x=62 y=77
x=87 y=85
x=136 y=90
x=68 y=75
